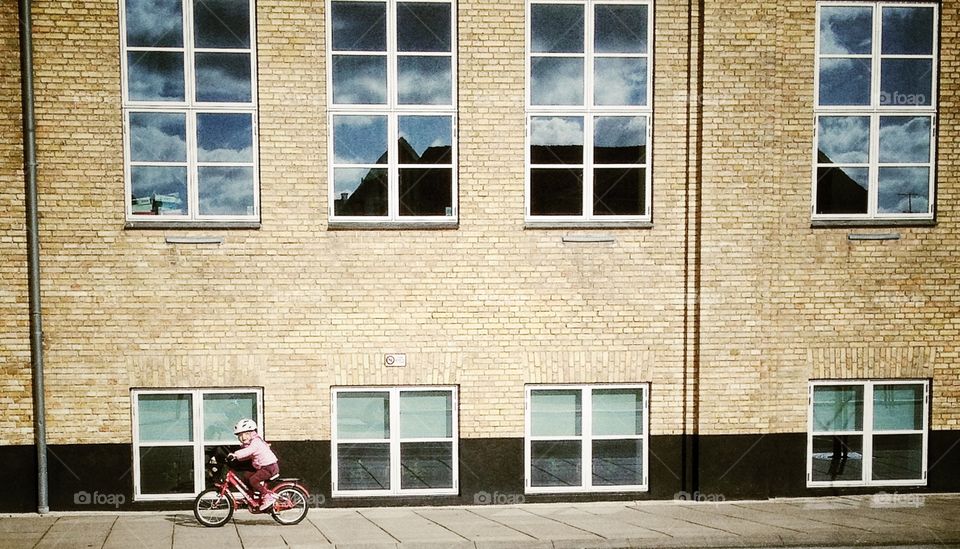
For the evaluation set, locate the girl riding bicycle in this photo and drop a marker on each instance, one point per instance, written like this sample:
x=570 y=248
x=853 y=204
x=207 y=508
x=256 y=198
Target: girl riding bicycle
x=262 y=458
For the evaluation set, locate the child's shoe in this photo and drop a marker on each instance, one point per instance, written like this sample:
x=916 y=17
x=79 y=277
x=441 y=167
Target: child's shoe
x=268 y=500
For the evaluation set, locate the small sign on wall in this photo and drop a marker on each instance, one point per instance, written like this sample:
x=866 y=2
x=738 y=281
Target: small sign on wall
x=395 y=360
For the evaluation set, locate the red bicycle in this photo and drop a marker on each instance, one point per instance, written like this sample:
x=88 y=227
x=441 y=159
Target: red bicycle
x=215 y=506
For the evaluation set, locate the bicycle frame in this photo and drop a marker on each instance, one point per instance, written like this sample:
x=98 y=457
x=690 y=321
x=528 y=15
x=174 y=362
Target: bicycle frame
x=246 y=495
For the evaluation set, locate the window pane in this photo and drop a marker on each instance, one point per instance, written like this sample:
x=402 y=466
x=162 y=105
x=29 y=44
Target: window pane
x=359 y=79
x=158 y=137
x=897 y=457
x=424 y=80
x=359 y=26
x=620 y=29
x=619 y=191
x=426 y=465
x=426 y=414
x=158 y=190
x=426 y=139
x=556 y=463
x=619 y=140
x=363 y=415
x=225 y=190
x=556 y=81
x=555 y=412
x=221 y=24
x=225 y=137
x=907 y=30
x=904 y=190
x=221 y=411
x=360 y=139
x=165 y=417
x=906 y=82
x=423 y=26
x=617 y=412
x=363 y=466
x=837 y=408
x=556 y=192
x=842 y=190
x=904 y=139
x=837 y=458
x=154 y=23
x=223 y=78
x=845 y=81
x=617 y=462
x=620 y=81
x=166 y=470
x=426 y=191
x=211 y=472
x=556 y=28
x=556 y=140
x=360 y=191
x=846 y=30
x=155 y=76
x=843 y=139
x=898 y=407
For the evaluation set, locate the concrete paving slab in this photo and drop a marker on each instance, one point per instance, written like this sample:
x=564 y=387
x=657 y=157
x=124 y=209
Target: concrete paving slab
x=141 y=530
x=413 y=528
x=189 y=534
x=347 y=527
x=474 y=527
x=77 y=531
x=709 y=515
x=603 y=521
x=537 y=526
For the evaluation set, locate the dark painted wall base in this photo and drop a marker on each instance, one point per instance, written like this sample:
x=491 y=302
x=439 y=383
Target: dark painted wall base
x=100 y=477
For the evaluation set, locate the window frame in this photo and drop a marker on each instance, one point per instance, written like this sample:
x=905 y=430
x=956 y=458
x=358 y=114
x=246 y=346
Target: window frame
x=875 y=111
x=392 y=110
x=868 y=432
x=588 y=111
x=394 y=441
x=198 y=443
x=190 y=107
x=586 y=438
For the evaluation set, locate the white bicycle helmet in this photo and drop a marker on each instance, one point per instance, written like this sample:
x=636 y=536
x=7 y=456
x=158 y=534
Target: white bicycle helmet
x=245 y=425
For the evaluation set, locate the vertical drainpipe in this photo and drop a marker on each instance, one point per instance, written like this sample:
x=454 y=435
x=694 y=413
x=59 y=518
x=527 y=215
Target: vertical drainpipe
x=33 y=252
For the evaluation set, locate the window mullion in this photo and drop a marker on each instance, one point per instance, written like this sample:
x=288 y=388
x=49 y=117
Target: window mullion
x=196 y=398
x=588 y=97
x=586 y=437
x=395 y=440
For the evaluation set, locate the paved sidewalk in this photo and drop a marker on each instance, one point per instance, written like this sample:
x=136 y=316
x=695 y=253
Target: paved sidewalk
x=886 y=519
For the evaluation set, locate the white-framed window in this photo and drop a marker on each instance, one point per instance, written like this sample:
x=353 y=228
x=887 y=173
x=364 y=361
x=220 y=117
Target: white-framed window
x=586 y=438
x=868 y=433
x=190 y=110
x=177 y=431
x=392 y=111
x=391 y=441
x=875 y=111
x=589 y=89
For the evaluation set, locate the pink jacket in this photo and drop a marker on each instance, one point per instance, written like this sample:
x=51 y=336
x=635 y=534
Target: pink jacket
x=259 y=450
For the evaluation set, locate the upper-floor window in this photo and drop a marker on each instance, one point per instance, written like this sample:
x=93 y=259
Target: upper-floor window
x=392 y=111
x=588 y=110
x=876 y=111
x=189 y=110
x=867 y=433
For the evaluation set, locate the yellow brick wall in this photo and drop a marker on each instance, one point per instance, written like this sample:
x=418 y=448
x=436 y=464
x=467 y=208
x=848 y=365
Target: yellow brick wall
x=297 y=308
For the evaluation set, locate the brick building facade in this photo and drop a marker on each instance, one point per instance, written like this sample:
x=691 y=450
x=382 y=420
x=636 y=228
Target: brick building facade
x=725 y=305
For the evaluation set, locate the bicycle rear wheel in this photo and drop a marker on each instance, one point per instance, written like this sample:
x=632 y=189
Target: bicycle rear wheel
x=291 y=505
x=213 y=509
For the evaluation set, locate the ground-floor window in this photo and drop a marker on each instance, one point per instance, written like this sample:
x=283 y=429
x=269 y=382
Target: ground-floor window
x=177 y=431
x=867 y=433
x=394 y=441
x=586 y=438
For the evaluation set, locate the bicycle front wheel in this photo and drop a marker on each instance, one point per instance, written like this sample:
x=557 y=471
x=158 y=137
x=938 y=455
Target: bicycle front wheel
x=291 y=506
x=213 y=509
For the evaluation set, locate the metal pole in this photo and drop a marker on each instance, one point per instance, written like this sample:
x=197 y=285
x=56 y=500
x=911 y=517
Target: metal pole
x=33 y=251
